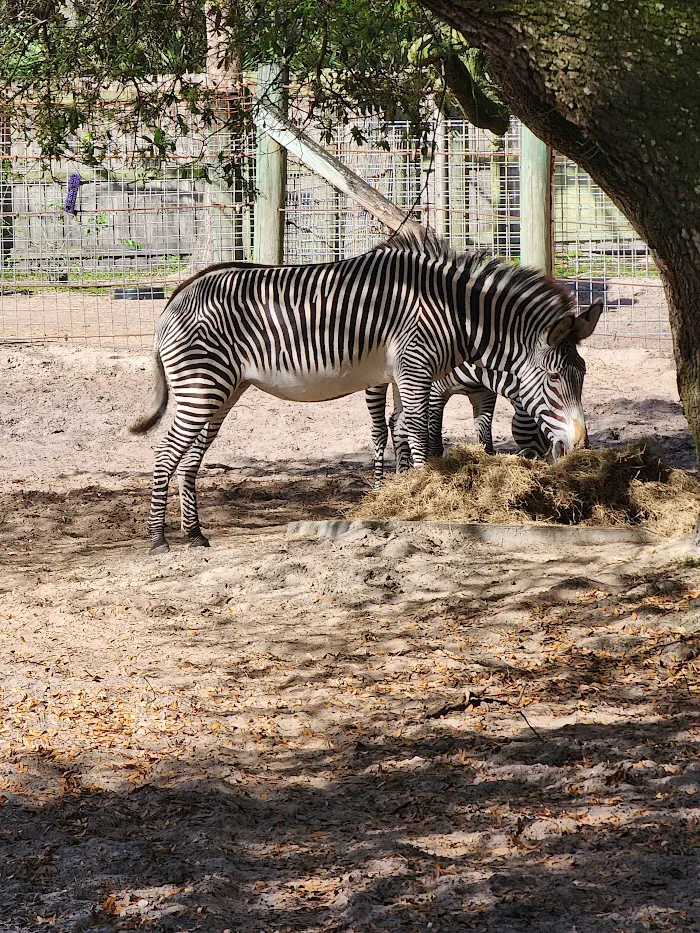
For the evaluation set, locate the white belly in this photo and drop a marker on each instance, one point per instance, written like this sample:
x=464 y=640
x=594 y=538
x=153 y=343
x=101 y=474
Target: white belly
x=324 y=385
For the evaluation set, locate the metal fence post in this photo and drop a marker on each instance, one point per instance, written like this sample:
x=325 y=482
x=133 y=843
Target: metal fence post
x=535 y=202
x=271 y=174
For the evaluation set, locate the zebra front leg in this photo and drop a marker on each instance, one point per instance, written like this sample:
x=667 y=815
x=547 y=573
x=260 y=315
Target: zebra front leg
x=483 y=402
x=399 y=438
x=415 y=393
x=375 y=397
x=436 y=410
x=169 y=452
x=528 y=436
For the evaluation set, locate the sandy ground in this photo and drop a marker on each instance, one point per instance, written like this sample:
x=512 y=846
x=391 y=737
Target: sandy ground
x=387 y=732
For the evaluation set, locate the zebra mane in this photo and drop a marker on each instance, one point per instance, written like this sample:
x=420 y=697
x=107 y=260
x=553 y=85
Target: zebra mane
x=560 y=300
x=423 y=241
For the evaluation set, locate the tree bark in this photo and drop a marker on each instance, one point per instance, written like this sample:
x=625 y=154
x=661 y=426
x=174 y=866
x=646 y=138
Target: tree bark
x=615 y=86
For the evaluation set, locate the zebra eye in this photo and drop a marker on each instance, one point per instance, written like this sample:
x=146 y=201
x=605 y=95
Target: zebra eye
x=555 y=377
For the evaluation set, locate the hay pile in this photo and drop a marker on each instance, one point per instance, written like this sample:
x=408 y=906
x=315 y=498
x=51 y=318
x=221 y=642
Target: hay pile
x=631 y=485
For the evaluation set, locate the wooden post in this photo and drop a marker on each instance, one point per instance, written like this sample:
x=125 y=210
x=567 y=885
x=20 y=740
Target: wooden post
x=271 y=180
x=535 y=202
x=322 y=163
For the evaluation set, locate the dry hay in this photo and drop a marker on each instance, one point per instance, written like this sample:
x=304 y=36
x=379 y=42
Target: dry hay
x=631 y=485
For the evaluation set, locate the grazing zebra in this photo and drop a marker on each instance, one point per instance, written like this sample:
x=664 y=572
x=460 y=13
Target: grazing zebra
x=482 y=387
x=548 y=412
x=407 y=312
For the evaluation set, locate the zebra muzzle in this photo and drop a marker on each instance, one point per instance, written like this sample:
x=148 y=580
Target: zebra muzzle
x=558 y=450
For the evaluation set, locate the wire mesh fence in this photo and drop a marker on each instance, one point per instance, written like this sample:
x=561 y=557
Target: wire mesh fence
x=598 y=254
x=98 y=269
x=102 y=274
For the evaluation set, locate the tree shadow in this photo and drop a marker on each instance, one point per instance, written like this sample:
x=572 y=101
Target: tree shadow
x=462 y=830
x=489 y=816
x=95 y=516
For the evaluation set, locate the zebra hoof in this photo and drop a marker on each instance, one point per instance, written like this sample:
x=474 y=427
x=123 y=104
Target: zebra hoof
x=161 y=548
x=199 y=540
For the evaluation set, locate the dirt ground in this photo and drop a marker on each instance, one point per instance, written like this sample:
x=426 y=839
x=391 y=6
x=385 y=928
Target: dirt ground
x=404 y=731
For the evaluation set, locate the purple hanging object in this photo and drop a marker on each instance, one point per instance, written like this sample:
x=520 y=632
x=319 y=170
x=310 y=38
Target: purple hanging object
x=72 y=194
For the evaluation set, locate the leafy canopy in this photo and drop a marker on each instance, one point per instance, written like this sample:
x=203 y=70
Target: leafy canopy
x=95 y=69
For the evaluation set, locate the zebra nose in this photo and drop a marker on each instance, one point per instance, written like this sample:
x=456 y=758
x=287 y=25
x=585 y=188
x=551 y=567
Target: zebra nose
x=579 y=436
x=558 y=450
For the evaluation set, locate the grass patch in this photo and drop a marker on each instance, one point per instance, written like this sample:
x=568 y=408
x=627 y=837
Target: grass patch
x=606 y=486
x=688 y=563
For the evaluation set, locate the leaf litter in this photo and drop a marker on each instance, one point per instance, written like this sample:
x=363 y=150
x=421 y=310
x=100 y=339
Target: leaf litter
x=486 y=738
x=280 y=769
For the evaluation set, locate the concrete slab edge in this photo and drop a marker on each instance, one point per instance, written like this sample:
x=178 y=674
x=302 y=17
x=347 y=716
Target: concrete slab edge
x=500 y=535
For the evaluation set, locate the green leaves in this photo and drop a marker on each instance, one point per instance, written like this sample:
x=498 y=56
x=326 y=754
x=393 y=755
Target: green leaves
x=118 y=65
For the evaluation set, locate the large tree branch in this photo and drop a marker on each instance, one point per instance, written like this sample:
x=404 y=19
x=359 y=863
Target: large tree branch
x=479 y=109
x=601 y=82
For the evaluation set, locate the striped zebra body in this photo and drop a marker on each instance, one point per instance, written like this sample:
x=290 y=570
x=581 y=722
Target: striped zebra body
x=406 y=312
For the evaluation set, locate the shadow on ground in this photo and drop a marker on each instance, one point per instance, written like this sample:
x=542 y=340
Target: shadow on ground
x=37 y=519
x=459 y=831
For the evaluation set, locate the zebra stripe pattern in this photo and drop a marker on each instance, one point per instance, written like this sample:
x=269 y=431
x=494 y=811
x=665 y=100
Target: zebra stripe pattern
x=406 y=312
x=482 y=387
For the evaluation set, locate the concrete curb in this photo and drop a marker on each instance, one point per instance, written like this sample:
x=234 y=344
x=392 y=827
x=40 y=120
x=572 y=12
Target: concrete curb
x=500 y=535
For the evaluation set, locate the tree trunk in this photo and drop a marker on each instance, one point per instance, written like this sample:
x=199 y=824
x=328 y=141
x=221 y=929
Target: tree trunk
x=614 y=86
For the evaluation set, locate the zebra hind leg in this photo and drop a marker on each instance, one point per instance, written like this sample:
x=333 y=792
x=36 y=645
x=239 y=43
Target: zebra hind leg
x=181 y=436
x=187 y=476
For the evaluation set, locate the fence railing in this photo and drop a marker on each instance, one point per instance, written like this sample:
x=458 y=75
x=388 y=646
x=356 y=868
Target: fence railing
x=103 y=275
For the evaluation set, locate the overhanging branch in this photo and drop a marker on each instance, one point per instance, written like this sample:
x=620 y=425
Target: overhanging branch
x=269 y=119
x=479 y=109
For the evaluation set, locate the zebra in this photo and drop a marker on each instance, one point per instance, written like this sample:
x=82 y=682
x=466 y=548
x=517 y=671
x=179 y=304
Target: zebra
x=407 y=311
x=547 y=412
x=482 y=387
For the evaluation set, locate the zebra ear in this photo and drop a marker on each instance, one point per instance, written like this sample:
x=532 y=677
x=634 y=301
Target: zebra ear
x=585 y=323
x=560 y=331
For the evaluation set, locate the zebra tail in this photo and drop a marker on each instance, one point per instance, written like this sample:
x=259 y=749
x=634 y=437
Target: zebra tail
x=160 y=402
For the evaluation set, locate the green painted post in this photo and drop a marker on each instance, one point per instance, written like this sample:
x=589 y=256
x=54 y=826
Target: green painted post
x=271 y=175
x=535 y=202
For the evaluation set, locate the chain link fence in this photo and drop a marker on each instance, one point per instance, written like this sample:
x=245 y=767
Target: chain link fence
x=102 y=275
